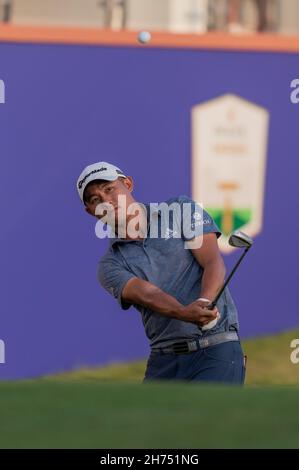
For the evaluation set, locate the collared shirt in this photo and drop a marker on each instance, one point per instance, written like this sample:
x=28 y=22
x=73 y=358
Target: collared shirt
x=165 y=262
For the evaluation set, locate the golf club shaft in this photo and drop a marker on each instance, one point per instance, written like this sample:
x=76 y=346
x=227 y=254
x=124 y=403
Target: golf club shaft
x=213 y=304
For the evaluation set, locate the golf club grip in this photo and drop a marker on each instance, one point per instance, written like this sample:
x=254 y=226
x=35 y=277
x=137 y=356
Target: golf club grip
x=212 y=305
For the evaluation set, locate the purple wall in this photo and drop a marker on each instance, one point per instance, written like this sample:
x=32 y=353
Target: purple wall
x=67 y=106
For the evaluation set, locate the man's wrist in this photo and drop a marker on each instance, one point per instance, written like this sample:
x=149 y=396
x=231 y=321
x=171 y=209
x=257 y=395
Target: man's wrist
x=182 y=313
x=179 y=312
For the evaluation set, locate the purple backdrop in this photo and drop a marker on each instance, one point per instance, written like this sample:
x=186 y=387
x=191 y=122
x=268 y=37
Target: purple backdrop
x=67 y=106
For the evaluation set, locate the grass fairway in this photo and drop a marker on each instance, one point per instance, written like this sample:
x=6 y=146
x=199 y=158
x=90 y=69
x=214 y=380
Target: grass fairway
x=108 y=408
x=117 y=415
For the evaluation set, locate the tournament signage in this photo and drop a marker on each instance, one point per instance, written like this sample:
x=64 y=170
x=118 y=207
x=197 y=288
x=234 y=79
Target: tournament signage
x=229 y=145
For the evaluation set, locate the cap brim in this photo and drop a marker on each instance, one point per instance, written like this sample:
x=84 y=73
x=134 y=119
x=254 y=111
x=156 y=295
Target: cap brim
x=111 y=178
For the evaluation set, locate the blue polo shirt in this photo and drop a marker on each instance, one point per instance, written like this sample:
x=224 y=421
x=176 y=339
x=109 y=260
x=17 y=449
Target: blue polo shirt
x=165 y=262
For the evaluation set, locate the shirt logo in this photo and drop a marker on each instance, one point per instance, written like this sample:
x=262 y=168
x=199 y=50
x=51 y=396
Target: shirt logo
x=197 y=216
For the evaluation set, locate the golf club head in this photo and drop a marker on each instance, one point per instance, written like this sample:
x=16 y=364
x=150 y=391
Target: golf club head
x=239 y=239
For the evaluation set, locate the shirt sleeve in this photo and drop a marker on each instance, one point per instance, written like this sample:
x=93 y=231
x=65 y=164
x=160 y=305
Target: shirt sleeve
x=113 y=277
x=195 y=220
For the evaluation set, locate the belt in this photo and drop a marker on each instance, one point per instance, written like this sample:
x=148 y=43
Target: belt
x=185 y=347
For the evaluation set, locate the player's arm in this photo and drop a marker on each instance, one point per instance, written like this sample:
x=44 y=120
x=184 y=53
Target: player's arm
x=144 y=293
x=209 y=257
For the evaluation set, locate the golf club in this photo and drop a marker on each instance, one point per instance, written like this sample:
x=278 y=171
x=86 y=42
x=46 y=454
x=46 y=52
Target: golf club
x=237 y=239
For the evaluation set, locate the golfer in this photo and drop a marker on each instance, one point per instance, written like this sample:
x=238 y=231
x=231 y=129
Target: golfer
x=170 y=278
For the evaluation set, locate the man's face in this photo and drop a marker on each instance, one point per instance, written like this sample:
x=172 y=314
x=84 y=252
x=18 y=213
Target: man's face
x=108 y=192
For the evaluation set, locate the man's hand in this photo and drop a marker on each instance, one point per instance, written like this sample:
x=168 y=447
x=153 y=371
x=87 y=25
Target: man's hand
x=197 y=312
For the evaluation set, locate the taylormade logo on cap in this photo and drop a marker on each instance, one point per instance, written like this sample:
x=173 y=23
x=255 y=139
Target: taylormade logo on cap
x=97 y=171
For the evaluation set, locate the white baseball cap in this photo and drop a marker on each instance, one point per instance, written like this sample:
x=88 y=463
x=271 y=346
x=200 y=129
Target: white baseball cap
x=98 y=171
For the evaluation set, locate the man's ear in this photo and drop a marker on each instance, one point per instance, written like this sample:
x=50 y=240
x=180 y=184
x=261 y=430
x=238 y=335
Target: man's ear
x=129 y=183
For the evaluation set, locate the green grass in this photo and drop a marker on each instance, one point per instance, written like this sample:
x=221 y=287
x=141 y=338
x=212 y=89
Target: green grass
x=269 y=360
x=107 y=408
x=118 y=415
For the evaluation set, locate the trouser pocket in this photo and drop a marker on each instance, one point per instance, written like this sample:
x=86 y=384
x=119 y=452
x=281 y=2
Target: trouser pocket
x=223 y=363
